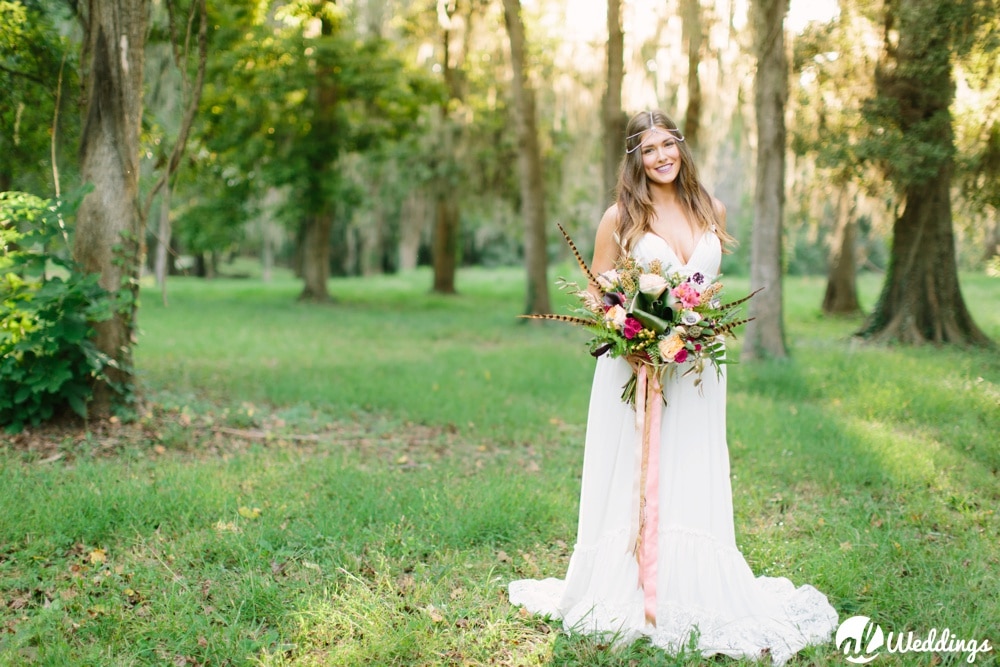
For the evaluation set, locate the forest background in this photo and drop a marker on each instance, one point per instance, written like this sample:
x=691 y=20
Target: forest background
x=243 y=164
x=389 y=127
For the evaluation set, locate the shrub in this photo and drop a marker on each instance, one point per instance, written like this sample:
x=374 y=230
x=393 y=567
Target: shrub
x=48 y=360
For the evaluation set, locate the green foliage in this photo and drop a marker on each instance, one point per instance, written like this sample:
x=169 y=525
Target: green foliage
x=32 y=56
x=910 y=133
x=289 y=92
x=48 y=360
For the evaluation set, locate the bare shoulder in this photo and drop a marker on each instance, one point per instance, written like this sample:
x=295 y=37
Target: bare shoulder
x=606 y=247
x=720 y=211
x=610 y=218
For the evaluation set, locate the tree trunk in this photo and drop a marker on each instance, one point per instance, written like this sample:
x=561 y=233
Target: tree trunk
x=530 y=166
x=765 y=336
x=109 y=235
x=614 y=118
x=447 y=217
x=319 y=212
x=371 y=236
x=163 y=241
x=445 y=247
x=921 y=301
x=412 y=221
x=267 y=258
x=694 y=32
x=841 y=297
x=316 y=257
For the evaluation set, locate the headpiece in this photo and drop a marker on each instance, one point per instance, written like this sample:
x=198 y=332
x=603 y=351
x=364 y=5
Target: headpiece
x=676 y=134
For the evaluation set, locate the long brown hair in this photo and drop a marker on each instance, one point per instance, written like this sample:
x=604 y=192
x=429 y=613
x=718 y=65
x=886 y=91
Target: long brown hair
x=635 y=203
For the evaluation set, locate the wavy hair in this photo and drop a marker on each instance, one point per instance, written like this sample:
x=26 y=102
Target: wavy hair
x=635 y=202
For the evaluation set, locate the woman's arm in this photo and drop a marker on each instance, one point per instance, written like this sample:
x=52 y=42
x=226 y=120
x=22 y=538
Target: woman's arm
x=720 y=215
x=720 y=212
x=606 y=248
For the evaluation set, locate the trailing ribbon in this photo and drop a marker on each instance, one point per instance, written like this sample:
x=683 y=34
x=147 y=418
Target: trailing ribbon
x=646 y=492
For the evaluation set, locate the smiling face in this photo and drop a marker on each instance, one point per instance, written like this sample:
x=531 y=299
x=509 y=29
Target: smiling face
x=661 y=155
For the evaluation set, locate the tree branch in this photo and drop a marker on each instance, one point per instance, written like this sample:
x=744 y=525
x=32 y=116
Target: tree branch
x=195 y=99
x=24 y=75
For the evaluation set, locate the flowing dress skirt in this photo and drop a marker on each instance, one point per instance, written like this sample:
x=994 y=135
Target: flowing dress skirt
x=703 y=583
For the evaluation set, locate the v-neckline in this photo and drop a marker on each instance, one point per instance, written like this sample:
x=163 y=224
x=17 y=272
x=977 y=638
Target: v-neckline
x=694 y=249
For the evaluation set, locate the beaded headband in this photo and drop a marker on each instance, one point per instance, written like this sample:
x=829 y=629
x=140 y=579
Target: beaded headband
x=676 y=134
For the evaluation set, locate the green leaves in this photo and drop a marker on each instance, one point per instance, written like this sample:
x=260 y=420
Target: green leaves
x=47 y=357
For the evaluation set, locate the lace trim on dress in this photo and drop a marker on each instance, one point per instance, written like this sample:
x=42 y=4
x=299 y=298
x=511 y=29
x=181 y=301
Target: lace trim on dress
x=778 y=638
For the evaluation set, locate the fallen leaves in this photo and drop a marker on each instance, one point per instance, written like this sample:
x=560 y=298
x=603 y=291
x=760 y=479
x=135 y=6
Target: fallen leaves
x=434 y=613
x=226 y=527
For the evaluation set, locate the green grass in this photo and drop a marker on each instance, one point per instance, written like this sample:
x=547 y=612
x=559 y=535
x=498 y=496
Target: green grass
x=354 y=484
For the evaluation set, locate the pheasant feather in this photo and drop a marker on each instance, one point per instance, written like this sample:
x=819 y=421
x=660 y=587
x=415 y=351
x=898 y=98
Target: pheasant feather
x=559 y=318
x=739 y=301
x=579 y=259
x=728 y=327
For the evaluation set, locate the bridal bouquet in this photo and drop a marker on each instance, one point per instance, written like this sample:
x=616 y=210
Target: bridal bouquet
x=653 y=316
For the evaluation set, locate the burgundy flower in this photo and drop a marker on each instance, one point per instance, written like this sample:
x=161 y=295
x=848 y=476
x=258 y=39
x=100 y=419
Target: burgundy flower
x=698 y=278
x=681 y=356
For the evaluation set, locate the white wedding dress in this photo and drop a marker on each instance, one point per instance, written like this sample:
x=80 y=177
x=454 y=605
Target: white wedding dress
x=703 y=583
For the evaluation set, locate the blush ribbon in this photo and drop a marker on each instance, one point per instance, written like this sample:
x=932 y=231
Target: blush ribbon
x=646 y=492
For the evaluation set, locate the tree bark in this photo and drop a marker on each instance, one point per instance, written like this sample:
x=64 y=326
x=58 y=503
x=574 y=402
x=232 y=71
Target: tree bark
x=921 y=301
x=109 y=233
x=841 y=297
x=765 y=336
x=614 y=117
x=316 y=256
x=412 y=222
x=163 y=241
x=445 y=246
x=447 y=215
x=318 y=223
x=694 y=31
x=530 y=166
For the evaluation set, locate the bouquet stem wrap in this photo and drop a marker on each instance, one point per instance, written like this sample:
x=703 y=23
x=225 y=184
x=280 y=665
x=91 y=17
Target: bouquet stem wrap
x=649 y=408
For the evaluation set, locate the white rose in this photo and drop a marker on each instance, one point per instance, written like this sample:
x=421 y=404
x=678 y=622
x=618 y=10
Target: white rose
x=652 y=284
x=616 y=315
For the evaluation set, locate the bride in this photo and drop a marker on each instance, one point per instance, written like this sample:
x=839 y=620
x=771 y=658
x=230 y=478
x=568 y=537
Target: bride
x=690 y=579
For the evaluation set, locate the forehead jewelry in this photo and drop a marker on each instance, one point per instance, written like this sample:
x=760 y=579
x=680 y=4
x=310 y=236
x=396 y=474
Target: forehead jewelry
x=676 y=134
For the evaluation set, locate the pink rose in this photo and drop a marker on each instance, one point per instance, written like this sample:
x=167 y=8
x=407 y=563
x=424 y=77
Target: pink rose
x=687 y=294
x=632 y=327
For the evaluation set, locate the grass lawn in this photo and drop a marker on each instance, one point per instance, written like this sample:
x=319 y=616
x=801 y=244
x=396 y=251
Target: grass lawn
x=355 y=484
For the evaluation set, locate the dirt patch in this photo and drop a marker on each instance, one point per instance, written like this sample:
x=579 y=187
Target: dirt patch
x=225 y=432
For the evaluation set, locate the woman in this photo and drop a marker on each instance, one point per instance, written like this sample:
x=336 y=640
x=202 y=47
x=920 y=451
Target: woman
x=690 y=578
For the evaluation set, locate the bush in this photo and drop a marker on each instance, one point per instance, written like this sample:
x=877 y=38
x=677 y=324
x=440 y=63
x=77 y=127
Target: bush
x=48 y=360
